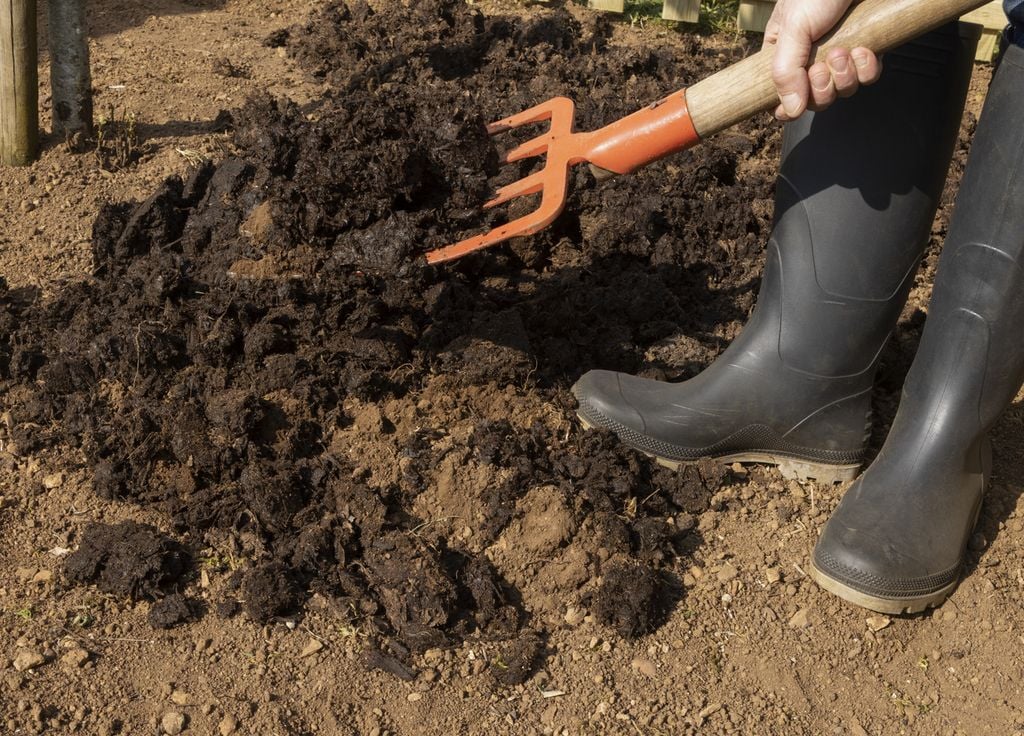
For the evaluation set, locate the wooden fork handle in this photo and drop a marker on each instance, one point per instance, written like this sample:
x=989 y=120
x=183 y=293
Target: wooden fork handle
x=746 y=88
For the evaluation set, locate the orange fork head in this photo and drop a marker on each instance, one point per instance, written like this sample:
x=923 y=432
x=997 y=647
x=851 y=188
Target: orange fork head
x=552 y=181
x=619 y=148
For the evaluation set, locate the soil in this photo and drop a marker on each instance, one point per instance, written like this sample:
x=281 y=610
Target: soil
x=265 y=468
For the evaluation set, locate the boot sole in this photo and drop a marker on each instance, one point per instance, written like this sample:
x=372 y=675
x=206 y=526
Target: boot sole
x=791 y=468
x=892 y=606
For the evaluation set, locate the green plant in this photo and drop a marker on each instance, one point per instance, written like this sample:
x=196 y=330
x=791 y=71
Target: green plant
x=116 y=139
x=719 y=16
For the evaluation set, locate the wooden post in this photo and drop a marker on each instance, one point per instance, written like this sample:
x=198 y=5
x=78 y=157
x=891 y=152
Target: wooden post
x=615 y=6
x=753 y=15
x=686 y=11
x=69 y=69
x=19 y=83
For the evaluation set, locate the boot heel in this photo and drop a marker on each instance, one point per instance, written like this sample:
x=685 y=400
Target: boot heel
x=804 y=471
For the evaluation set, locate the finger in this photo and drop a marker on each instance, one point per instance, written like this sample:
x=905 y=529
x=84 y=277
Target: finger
x=843 y=70
x=789 y=66
x=771 y=29
x=823 y=89
x=867 y=64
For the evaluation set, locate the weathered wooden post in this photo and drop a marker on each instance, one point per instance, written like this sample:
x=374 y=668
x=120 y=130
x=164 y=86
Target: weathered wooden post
x=19 y=83
x=69 y=69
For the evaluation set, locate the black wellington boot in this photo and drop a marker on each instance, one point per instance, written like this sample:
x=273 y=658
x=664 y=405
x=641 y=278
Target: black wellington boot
x=896 y=541
x=856 y=196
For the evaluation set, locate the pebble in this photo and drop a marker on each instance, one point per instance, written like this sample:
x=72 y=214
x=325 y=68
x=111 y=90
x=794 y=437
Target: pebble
x=800 y=620
x=179 y=698
x=173 y=723
x=726 y=573
x=773 y=575
x=312 y=647
x=877 y=623
x=75 y=658
x=28 y=659
x=645 y=667
x=54 y=480
x=43 y=576
x=414 y=697
x=978 y=542
x=574 y=616
x=227 y=726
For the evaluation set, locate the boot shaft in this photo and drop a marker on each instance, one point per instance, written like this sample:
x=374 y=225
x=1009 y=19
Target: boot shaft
x=857 y=194
x=972 y=344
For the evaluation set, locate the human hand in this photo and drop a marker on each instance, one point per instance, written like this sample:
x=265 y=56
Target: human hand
x=793 y=27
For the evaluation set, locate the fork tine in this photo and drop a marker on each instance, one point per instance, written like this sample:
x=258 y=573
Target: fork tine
x=533 y=147
x=536 y=114
x=526 y=225
x=528 y=185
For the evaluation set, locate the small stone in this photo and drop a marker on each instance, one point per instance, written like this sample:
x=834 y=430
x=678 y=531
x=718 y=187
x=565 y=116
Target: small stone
x=25 y=574
x=43 y=576
x=203 y=644
x=726 y=573
x=227 y=726
x=414 y=697
x=877 y=623
x=312 y=647
x=645 y=667
x=173 y=723
x=978 y=542
x=75 y=658
x=28 y=659
x=574 y=616
x=800 y=620
x=948 y=614
x=773 y=575
x=179 y=697
x=54 y=480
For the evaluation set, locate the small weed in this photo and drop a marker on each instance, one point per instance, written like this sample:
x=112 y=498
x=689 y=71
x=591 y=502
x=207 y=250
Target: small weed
x=348 y=631
x=83 y=620
x=24 y=614
x=116 y=139
x=719 y=16
x=217 y=562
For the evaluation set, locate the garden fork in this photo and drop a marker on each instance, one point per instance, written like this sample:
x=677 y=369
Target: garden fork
x=680 y=120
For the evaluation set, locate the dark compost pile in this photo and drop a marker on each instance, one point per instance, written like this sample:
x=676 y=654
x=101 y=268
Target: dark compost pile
x=260 y=356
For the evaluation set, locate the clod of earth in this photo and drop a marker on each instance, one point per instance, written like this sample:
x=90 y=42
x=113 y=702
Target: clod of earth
x=261 y=356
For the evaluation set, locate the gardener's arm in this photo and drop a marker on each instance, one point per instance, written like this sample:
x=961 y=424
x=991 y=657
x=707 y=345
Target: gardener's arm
x=793 y=27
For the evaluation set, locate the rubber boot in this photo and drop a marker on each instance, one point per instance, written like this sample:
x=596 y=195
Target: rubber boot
x=896 y=541
x=856 y=197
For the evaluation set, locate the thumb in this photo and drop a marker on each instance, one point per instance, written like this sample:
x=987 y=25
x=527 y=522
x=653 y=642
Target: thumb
x=789 y=67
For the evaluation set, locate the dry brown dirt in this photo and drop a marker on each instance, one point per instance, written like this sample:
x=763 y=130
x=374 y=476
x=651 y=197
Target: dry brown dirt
x=750 y=645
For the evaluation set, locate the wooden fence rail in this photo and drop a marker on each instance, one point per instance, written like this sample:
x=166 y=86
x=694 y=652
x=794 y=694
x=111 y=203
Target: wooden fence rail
x=754 y=14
